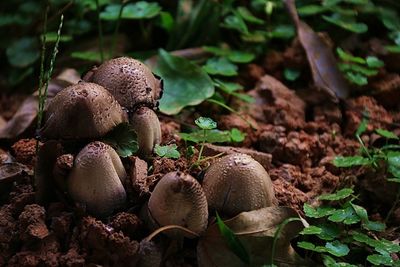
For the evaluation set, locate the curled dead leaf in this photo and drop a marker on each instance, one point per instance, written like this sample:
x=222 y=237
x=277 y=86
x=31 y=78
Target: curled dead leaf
x=26 y=114
x=325 y=72
x=256 y=230
x=11 y=171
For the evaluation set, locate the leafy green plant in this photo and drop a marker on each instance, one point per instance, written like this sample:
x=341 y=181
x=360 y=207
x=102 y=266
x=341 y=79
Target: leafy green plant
x=208 y=133
x=341 y=231
x=124 y=140
x=169 y=151
x=357 y=69
x=388 y=154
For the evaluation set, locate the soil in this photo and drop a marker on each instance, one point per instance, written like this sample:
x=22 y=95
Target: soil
x=293 y=140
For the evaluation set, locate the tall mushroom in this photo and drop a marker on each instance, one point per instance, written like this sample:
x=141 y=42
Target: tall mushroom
x=237 y=183
x=138 y=90
x=83 y=110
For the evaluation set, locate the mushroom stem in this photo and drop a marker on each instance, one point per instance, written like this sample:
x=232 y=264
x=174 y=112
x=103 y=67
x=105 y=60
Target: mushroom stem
x=147 y=127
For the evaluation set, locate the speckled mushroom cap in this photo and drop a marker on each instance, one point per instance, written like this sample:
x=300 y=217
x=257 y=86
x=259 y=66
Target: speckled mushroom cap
x=129 y=81
x=83 y=110
x=96 y=179
x=237 y=183
x=178 y=199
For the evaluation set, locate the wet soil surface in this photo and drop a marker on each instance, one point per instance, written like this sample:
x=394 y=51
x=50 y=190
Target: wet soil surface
x=293 y=140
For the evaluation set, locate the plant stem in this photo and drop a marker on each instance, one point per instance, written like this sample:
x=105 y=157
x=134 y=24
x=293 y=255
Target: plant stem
x=41 y=77
x=114 y=41
x=202 y=146
x=100 y=31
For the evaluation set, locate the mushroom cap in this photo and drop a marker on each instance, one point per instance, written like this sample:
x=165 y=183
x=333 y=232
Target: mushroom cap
x=237 y=183
x=178 y=199
x=130 y=81
x=96 y=179
x=148 y=130
x=83 y=110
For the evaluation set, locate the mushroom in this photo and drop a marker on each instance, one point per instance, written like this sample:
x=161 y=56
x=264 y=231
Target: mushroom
x=147 y=127
x=178 y=199
x=136 y=88
x=131 y=82
x=96 y=179
x=237 y=183
x=83 y=110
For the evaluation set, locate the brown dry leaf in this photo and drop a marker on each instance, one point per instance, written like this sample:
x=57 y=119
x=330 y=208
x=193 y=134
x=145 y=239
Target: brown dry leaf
x=256 y=230
x=325 y=72
x=9 y=172
x=26 y=114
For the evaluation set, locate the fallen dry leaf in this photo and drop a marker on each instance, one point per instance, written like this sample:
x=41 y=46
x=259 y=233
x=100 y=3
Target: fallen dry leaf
x=10 y=171
x=325 y=72
x=26 y=114
x=256 y=230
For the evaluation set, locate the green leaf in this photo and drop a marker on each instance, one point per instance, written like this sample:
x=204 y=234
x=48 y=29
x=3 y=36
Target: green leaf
x=185 y=83
x=123 y=139
x=393 y=48
x=212 y=136
x=311 y=230
x=330 y=231
x=240 y=56
x=347 y=25
x=237 y=136
x=346 y=215
x=345 y=162
x=362 y=127
x=247 y=16
x=205 y=123
x=374 y=62
x=233 y=242
x=341 y=194
x=393 y=161
x=227 y=87
x=357 y=78
x=87 y=55
x=380 y=260
x=282 y=32
x=387 y=134
x=169 y=151
x=23 y=52
x=291 y=74
x=318 y=212
x=138 y=10
x=348 y=57
x=220 y=66
x=357 y=69
x=361 y=212
x=330 y=262
x=337 y=249
x=374 y=226
x=311 y=246
x=235 y=22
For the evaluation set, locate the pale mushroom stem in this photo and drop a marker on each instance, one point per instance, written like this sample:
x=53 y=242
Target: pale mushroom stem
x=147 y=127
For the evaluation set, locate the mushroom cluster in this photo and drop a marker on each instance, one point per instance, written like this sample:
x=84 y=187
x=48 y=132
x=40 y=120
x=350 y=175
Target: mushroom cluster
x=120 y=90
x=233 y=184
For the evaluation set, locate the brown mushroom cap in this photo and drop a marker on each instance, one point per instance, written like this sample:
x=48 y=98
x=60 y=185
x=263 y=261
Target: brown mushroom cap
x=83 y=110
x=96 y=179
x=147 y=127
x=237 y=183
x=129 y=81
x=178 y=199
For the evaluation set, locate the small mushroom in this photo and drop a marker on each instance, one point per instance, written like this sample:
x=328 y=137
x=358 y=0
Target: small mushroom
x=178 y=199
x=237 y=183
x=83 y=110
x=147 y=127
x=131 y=82
x=96 y=179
